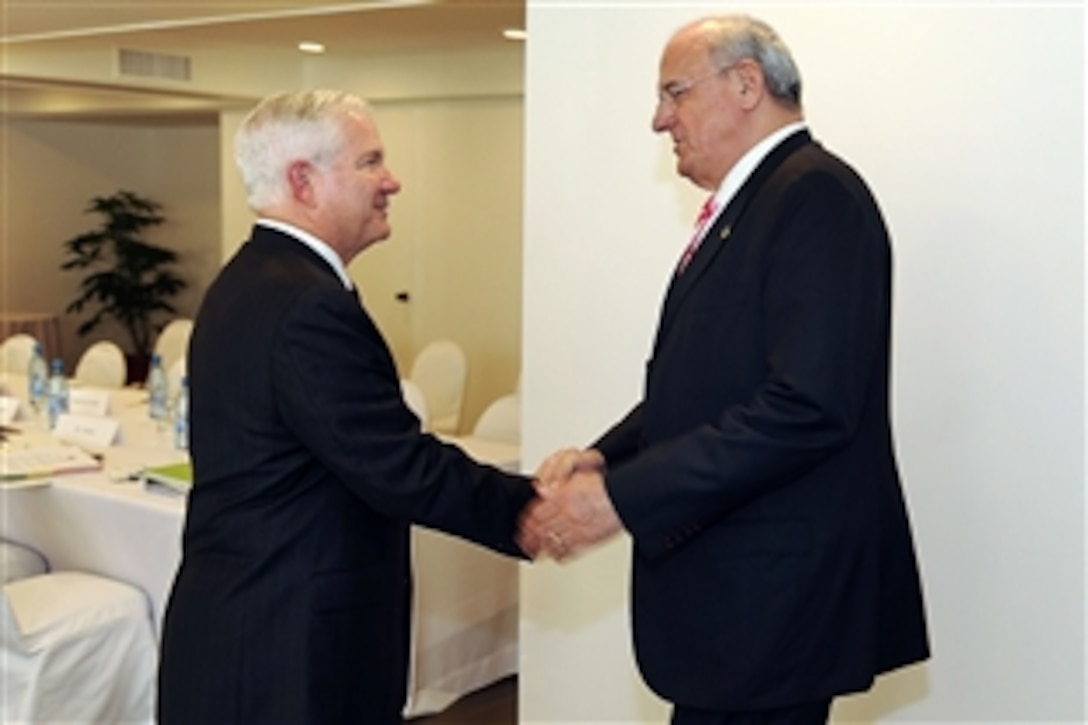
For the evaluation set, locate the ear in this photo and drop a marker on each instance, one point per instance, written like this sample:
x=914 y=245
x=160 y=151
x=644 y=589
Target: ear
x=749 y=83
x=300 y=180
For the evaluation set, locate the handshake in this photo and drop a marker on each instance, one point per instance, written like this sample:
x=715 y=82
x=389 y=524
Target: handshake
x=573 y=510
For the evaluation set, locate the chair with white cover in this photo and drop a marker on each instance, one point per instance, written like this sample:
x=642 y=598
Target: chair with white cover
x=413 y=398
x=173 y=342
x=102 y=365
x=501 y=421
x=18 y=561
x=76 y=647
x=441 y=371
x=15 y=353
x=174 y=374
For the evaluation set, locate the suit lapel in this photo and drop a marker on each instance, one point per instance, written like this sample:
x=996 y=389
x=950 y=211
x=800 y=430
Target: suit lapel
x=719 y=234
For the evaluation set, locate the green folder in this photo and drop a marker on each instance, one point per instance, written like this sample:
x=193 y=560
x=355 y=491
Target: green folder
x=176 y=476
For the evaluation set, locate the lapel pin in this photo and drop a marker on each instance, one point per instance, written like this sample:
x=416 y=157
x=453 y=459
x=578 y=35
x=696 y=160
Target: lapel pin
x=726 y=231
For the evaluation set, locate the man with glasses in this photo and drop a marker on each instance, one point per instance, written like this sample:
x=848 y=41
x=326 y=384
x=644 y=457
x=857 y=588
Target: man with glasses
x=773 y=567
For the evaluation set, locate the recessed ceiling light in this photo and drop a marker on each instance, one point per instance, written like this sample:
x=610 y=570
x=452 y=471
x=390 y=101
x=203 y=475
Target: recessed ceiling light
x=514 y=34
x=310 y=47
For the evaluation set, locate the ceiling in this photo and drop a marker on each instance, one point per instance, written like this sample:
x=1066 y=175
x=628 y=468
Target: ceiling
x=359 y=27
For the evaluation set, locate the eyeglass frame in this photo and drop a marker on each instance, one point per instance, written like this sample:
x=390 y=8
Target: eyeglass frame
x=673 y=91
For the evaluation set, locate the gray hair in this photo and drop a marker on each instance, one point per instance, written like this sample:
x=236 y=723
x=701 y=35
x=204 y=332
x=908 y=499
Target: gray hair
x=732 y=38
x=289 y=127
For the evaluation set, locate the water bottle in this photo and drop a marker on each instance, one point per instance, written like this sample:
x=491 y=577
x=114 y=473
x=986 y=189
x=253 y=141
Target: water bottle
x=181 y=416
x=57 y=392
x=37 y=374
x=158 y=401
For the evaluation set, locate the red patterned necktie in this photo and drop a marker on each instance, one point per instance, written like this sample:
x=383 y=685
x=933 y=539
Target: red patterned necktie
x=704 y=216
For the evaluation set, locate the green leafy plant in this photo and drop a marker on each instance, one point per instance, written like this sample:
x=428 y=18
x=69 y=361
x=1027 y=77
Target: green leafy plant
x=129 y=279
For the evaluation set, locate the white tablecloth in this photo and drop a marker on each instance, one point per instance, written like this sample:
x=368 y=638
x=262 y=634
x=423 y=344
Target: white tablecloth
x=465 y=618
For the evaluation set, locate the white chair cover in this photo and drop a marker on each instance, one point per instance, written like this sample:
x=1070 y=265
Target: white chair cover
x=102 y=365
x=18 y=562
x=441 y=371
x=75 y=648
x=413 y=398
x=15 y=353
x=501 y=421
x=173 y=341
x=174 y=374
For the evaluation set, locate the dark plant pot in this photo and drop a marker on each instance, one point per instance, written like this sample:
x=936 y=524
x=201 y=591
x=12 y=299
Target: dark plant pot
x=138 y=365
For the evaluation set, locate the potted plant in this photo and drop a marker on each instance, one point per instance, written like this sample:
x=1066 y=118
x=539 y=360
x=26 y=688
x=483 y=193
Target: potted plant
x=128 y=278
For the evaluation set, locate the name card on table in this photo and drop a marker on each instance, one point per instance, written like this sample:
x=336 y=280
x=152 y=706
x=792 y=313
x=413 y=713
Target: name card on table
x=89 y=432
x=9 y=409
x=89 y=402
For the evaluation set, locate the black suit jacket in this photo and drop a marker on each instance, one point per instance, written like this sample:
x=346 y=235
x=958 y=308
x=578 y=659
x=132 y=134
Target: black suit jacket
x=773 y=557
x=292 y=600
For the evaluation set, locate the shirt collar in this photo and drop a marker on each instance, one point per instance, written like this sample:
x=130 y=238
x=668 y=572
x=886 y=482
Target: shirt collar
x=747 y=164
x=319 y=247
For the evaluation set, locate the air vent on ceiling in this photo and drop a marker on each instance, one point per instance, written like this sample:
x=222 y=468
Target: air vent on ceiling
x=146 y=64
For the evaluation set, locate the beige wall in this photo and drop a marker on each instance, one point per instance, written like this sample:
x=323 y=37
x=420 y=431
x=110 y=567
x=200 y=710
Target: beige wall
x=452 y=125
x=456 y=243
x=52 y=170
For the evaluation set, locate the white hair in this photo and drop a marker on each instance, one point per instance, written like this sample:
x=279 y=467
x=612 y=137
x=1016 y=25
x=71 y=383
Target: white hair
x=288 y=127
x=730 y=38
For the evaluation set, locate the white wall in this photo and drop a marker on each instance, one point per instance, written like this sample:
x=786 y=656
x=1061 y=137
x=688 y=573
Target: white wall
x=968 y=122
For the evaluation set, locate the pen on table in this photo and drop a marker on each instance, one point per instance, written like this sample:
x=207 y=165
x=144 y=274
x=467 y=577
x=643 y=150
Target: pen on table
x=125 y=476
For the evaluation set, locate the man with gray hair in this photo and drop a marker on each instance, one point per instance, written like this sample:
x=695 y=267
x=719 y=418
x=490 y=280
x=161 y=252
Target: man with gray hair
x=292 y=602
x=773 y=564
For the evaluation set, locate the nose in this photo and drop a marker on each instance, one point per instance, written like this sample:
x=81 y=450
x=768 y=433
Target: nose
x=663 y=117
x=390 y=184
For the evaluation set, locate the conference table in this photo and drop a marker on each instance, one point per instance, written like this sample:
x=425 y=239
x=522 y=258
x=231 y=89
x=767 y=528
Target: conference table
x=113 y=523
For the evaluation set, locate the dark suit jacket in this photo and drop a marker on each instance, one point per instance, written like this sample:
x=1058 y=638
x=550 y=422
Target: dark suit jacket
x=773 y=557
x=292 y=600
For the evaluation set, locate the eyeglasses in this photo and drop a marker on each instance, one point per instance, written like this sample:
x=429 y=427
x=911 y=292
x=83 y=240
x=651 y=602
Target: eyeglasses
x=674 y=91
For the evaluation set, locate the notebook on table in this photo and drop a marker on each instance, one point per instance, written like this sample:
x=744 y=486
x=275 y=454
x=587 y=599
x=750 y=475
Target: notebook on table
x=34 y=465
